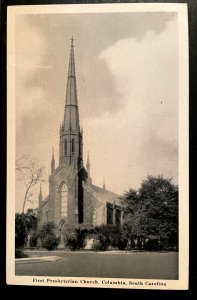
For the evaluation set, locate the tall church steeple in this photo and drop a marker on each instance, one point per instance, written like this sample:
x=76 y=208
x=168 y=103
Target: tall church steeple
x=70 y=135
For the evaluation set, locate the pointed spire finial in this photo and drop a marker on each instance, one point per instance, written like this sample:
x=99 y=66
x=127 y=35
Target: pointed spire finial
x=72 y=41
x=104 y=183
x=52 y=161
x=40 y=194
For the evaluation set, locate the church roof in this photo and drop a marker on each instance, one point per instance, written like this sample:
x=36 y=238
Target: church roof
x=45 y=201
x=107 y=196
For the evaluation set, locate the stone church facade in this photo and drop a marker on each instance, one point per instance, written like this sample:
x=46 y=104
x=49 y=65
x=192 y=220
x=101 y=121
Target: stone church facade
x=73 y=199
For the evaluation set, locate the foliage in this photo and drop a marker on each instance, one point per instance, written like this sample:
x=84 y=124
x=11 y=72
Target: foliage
x=97 y=246
x=24 y=224
x=50 y=241
x=72 y=242
x=31 y=221
x=33 y=239
x=102 y=243
x=20 y=254
x=46 y=228
x=48 y=237
x=152 y=211
x=106 y=235
x=122 y=244
x=20 y=230
x=110 y=233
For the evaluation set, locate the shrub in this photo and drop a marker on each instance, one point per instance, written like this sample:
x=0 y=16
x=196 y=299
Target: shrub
x=50 y=242
x=152 y=245
x=72 y=243
x=101 y=244
x=20 y=230
x=20 y=254
x=97 y=246
x=47 y=228
x=122 y=244
x=33 y=240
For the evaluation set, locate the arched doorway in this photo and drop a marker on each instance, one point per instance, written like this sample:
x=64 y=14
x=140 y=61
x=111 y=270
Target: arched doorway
x=61 y=234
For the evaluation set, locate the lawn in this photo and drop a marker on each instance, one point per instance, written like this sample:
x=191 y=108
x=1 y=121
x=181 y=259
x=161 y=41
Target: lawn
x=144 y=265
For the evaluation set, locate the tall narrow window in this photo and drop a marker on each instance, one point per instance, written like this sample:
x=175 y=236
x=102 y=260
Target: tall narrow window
x=64 y=200
x=109 y=213
x=65 y=148
x=73 y=145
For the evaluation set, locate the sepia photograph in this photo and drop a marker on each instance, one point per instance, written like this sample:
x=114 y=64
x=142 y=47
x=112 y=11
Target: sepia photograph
x=97 y=192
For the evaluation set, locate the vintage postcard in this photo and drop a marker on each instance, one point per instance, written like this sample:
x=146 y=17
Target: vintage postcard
x=97 y=184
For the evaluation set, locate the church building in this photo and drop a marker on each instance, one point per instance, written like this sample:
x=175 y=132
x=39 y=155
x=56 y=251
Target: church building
x=73 y=199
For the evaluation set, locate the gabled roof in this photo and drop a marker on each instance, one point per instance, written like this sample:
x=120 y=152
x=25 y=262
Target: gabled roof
x=106 y=195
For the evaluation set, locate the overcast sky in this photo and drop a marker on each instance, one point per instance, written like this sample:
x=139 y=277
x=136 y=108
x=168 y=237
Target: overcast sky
x=127 y=82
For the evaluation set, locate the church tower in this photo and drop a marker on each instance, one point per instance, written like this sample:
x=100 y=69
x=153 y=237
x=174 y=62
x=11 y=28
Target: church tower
x=66 y=181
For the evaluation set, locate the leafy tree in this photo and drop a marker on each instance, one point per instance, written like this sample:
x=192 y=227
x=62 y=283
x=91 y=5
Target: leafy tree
x=153 y=211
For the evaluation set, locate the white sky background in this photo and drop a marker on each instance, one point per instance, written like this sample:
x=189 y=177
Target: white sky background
x=127 y=81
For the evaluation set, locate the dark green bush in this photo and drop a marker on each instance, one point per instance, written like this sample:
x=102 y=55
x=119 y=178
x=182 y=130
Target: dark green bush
x=33 y=240
x=20 y=230
x=50 y=242
x=20 y=254
x=122 y=244
x=72 y=243
x=152 y=245
x=102 y=243
x=97 y=246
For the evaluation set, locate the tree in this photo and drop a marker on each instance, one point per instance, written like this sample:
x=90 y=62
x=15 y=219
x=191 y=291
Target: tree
x=32 y=175
x=153 y=210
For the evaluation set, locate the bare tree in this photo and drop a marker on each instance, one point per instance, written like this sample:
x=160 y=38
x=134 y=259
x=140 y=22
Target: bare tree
x=32 y=175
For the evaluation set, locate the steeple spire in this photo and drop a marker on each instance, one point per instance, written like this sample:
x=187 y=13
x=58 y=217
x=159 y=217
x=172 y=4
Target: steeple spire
x=70 y=136
x=88 y=165
x=103 y=183
x=52 y=162
x=71 y=115
x=40 y=195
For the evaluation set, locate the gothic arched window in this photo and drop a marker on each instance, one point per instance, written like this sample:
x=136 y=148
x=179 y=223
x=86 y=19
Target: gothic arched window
x=64 y=201
x=65 y=148
x=73 y=145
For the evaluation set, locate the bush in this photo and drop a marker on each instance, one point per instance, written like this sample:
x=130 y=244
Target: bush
x=152 y=245
x=20 y=254
x=72 y=243
x=33 y=240
x=50 y=242
x=47 y=228
x=97 y=246
x=122 y=244
x=101 y=244
x=20 y=230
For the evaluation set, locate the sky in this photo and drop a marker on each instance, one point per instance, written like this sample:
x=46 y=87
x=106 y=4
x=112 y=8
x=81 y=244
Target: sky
x=127 y=85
